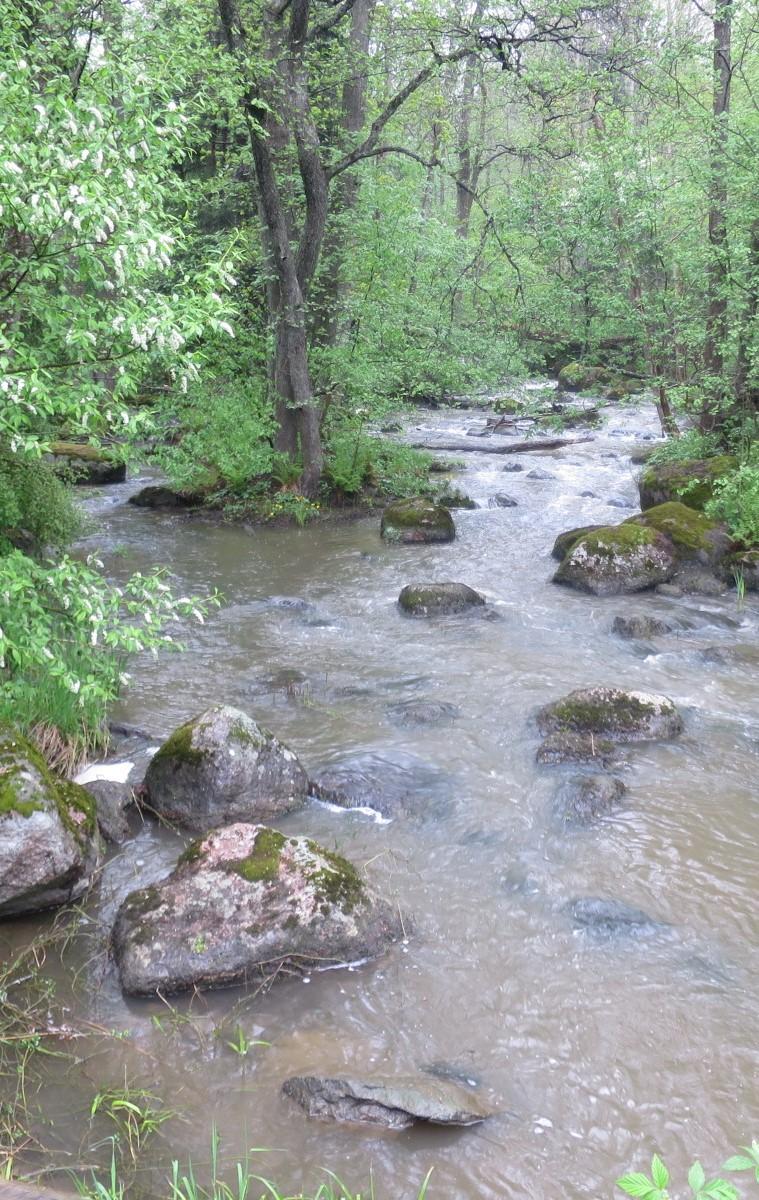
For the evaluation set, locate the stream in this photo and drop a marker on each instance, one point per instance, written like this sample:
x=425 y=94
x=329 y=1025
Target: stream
x=592 y=1052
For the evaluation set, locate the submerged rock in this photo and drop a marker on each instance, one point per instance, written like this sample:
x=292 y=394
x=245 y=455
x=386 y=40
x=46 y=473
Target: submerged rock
x=690 y=481
x=423 y=712
x=395 y=1103
x=539 y=473
x=438 y=599
x=455 y=498
x=566 y=747
x=243 y=903
x=612 y=713
x=640 y=627
x=220 y=767
x=611 y=918
x=87 y=464
x=585 y=798
x=501 y=500
x=49 y=844
x=618 y=559
x=694 y=536
x=565 y=541
x=390 y=786
x=512 y=466
x=417 y=520
x=619 y=502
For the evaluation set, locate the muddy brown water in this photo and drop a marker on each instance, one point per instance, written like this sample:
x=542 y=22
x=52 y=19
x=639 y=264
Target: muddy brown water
x=592 y=1052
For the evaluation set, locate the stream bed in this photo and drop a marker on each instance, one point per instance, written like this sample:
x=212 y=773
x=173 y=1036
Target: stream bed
x=592 y=1052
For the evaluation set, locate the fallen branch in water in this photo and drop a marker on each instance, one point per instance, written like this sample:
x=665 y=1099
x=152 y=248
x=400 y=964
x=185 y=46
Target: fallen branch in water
x=509 y=448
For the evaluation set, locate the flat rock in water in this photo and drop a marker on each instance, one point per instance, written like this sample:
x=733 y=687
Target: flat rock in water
x=610 y=918
x=539 y=473
x=501 y=500
x=411 y=713
x=567 y=747
x=612 y=713
x=390 y=786
x=584 y=799
x=245 y=903
x=393 y=1104
x=640 y=627
x=220 y=767
x=438 y=599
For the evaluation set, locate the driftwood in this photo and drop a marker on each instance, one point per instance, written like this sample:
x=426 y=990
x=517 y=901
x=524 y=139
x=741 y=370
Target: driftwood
x=474 y=445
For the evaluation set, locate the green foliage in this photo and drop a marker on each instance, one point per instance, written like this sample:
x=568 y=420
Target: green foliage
x=65 y=635
x=36 y=510
x=655 y=1186
x=736 y=502
x=689 y=445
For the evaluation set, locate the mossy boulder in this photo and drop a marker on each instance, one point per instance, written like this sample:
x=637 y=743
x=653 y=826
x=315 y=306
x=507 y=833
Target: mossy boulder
x=49 y=844
x=581 y=377
x=690 y=481
x=438 y=599
x=158 y=496
x=221 y=767
x=455 y=498
x=566 y=540
x=694 y=536
x=247 y=904
x=417 y=520
x=617 y=559
x=614 y=714
x=87 y=464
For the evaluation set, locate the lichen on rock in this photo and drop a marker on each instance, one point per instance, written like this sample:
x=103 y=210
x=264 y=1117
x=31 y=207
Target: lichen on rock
x=621 y=716
x=618 y=559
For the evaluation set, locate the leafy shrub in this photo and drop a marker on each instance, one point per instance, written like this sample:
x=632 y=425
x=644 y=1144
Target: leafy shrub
x=36 y=509
x=736 y=502
x=690 y=444
x=655 y=1186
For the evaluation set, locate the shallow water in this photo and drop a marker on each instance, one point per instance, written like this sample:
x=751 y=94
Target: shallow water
x=592 y=1052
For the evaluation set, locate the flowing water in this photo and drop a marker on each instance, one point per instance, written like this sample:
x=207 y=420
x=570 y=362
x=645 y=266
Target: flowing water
x=592 y=1052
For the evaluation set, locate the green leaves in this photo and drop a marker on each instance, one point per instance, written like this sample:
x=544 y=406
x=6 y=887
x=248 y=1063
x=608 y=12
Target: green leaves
x=655 y=1186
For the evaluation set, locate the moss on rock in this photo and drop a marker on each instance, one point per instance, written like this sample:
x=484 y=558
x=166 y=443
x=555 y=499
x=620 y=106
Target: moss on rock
x=616 y=559
x=417 y=520
x=693 y=534
x=262 y=864
x=338 y=882
x=613 y=713
x=565 y=541
x=690 y=481
x=179 y=747
x=580 y=377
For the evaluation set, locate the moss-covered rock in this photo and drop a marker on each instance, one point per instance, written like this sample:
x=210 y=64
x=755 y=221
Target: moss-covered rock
x=612 y=713
x=159 y=496
x=49 y=845
x=438 y=599
x=565 y=541
x=694 y=536
x=417 y=520
x=690 y=481
x=581 y=377
x=455 y=498
x=220 y=767
x=618 y=559
x=244 y=902
x=87 y=464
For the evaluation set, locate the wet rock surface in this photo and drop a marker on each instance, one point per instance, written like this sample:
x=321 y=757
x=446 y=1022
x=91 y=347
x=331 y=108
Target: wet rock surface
x=243 y=904
x=438 y=599
x=392 y=786
x=395 y=1104
x=585 y=798
x=220 y=767
x=49 y=844
x=640 y=627
x=612 y=918
x=569 y=747
x=411 y=713
x=616 y=560
x=501 y=500
x=620 y=716
x=417 y=521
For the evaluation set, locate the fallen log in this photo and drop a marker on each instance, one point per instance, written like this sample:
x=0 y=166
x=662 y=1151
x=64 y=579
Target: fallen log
x=520 y=447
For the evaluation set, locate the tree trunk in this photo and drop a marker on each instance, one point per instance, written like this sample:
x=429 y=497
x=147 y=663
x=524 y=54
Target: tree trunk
x=716 y=317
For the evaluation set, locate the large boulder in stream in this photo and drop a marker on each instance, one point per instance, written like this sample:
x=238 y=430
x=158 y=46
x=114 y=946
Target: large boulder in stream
x=690 y=481
x=696 y=538
x=246 y=904
x=417 y=520
x=618 y=559
x=220 y=767
x=86 y=464
x=581 y=377
x=395 y=1103
x=49 y=845
x=565 y=541
x=612 y=714
x=438 y=599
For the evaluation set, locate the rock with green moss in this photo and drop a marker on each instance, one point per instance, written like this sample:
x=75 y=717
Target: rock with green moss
x=438 y=599
x=580 y=377
x=417 y=520
x=565 y=541
x=690 y=480
x=696 y=538
x=246 y=904
x=49 y=845
x=617 y=559
x=566 y=746
x=455 y=498
x=87 y=464
x=220 y=767
x=613 y=714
